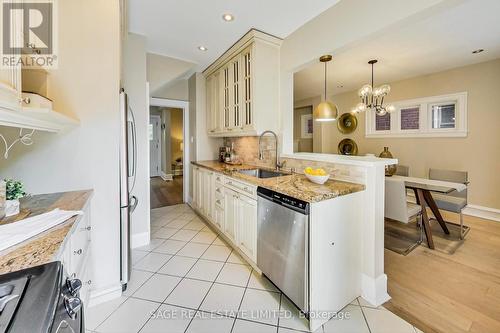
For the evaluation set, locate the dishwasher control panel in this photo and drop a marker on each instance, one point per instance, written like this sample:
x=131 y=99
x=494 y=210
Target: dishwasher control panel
x=283 y=199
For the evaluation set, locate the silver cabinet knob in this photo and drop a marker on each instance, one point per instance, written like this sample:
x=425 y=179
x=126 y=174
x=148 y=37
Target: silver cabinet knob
x=73 y=305
x=78 y=252
x=74 y=285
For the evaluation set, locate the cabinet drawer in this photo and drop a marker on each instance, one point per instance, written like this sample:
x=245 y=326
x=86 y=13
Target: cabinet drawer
x=219 y=179
x=241 y=187
x=219 y=201
x=79 y=244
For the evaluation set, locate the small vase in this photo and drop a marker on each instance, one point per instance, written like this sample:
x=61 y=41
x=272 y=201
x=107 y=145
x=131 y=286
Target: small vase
x=389 y=169
x=11 y=207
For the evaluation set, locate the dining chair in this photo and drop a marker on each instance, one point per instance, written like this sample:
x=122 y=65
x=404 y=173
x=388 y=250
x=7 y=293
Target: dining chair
x=402 y=170
x=454 y=201
x=396 y=206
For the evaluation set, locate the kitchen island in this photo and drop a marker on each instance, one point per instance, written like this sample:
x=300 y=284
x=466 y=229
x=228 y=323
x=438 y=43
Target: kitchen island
x=68 y=242
x=306 y=238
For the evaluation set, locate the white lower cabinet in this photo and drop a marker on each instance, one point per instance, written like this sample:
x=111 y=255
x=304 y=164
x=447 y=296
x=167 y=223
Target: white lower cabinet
x=231 y=214
x=230 y=205
x=247 y=226
x=75 y=254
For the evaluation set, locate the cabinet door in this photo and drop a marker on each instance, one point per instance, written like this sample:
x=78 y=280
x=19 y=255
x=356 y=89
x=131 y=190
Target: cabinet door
x=214 y=112
x=230 y=214
x=225 y=94
x=208 y=194
x=10 y=78
x=247 y=226
x=203 y=190
x=219 y=217
x=235 y=93
x=247 y=91
x=196 y=189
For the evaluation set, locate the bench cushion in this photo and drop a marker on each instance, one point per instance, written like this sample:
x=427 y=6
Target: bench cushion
x=449 y=203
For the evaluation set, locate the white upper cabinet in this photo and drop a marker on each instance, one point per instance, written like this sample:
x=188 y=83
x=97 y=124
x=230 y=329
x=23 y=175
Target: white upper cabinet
x=242 y=87
x=18 y=109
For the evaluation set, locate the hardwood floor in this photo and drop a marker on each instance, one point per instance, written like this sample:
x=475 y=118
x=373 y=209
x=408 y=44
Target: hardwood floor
x=437 y=292
x=165 y=193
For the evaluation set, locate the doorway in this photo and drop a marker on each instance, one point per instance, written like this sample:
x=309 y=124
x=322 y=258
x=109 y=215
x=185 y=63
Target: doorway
x=167 y=133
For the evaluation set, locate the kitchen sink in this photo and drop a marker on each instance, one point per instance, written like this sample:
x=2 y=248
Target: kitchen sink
x=263 y=173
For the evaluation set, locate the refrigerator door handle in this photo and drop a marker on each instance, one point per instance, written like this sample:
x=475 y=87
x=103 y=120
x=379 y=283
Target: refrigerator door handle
x=134 y=201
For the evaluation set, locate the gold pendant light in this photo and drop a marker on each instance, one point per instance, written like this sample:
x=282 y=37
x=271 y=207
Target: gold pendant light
x=325 y=111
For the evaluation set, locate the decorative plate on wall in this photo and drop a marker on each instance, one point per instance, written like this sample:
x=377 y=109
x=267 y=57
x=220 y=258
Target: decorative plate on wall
x=348 y=147
x=347 y=123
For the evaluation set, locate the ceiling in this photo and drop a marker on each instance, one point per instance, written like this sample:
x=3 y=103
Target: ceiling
x=432 y=44
x=176 y=28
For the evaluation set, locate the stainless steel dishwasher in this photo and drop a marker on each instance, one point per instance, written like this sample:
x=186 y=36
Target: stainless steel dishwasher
x=283 y=244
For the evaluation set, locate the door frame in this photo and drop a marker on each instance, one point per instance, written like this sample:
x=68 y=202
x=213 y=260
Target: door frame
x=158 y=157
x=184 y=105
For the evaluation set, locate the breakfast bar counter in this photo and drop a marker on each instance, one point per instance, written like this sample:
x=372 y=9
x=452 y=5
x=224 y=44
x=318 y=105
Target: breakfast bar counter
x=294 y=185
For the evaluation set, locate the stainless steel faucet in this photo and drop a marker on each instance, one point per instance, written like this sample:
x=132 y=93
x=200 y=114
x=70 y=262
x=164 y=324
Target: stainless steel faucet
x=261 y=155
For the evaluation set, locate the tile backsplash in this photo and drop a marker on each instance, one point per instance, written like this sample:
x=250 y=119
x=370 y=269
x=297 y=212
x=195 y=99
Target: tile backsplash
x=247 y=149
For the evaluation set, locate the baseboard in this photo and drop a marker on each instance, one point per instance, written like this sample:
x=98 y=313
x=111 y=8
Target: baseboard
x=138 y=240
x=105 y=295
x=482 y=212
x=166 y=176
x=374 y=290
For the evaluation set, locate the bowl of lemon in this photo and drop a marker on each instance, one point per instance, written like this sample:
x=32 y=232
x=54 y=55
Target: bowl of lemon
x=317 y=176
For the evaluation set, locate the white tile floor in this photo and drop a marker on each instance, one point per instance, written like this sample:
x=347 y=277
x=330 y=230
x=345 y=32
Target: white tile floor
x=188 y=280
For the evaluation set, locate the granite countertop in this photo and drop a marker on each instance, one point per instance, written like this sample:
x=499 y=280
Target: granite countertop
x=44 y=247
x=295 y=185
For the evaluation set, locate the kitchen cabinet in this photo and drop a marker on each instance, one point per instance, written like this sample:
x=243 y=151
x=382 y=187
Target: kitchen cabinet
x=231 y=214
x=18 y=109
x=242 y=87
x=230 y=205
x=76 y=254
x=247 y=226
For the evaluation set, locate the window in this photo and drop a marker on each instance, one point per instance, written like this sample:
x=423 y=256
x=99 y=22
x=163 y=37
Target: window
x=435 y=116
x=410 y=118
x=383 y=123
x=443 y=115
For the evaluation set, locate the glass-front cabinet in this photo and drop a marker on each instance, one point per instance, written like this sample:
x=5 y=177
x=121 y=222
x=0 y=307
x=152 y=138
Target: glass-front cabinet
x=242 y=89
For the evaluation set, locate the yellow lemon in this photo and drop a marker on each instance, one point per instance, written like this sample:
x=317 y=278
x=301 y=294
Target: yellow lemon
x=308 y=170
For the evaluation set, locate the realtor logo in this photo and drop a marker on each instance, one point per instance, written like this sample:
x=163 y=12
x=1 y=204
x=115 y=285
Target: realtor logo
x=28 y=33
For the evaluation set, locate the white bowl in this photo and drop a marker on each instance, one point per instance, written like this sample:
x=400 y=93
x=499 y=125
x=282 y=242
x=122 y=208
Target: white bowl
x=317 y=179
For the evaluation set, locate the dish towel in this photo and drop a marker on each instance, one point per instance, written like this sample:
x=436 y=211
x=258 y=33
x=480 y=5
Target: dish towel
x=14 y=233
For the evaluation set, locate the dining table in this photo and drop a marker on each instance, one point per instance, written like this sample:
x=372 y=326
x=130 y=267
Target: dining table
x=423 y=188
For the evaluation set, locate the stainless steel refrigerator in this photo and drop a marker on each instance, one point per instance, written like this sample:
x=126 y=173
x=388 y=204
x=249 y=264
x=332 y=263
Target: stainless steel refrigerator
x=128 y=202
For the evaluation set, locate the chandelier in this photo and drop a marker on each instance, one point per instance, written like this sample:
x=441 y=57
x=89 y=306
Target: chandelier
x=373 y=98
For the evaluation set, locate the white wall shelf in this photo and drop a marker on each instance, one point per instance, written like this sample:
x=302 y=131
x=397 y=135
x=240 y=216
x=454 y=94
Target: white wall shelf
x=39 y=119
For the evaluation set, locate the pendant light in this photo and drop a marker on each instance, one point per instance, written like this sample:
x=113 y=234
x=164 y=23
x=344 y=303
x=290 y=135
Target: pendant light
x=326 y=110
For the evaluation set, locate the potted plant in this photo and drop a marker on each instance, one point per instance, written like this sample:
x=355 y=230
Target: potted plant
x=14 y=191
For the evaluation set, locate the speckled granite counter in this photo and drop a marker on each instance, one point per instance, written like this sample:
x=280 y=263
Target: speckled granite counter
x=45 y=246
x=295 y=185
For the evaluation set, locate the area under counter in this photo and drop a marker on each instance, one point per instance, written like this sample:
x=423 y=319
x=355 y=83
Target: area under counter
x=46 y=246
x=295 y=185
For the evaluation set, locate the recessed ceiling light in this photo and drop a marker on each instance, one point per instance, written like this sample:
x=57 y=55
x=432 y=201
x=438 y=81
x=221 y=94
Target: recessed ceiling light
x=477 y=51
x=202 y=48
x=228 y=17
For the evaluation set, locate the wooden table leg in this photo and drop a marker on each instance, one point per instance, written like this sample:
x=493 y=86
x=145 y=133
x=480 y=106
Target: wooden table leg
x=425 y=219
x=435 y=210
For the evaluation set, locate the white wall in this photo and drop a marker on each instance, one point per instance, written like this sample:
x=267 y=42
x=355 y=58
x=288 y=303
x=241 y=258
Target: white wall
x=86 y=84
x=177 y=89
x=134 y=82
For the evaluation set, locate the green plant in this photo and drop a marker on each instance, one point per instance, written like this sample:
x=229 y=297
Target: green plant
x=14 y=189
